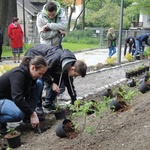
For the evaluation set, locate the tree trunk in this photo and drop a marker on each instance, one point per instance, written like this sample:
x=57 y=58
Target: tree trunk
x=8 y=10
x=70 y=16
x=83 y=14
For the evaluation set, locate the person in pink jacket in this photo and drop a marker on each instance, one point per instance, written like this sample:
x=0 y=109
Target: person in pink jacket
x=15 y=34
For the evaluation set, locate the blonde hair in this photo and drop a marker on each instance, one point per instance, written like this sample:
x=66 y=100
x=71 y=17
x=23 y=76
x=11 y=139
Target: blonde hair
x=111 y=30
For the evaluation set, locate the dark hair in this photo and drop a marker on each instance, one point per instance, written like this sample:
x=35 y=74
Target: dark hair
x=51 y=6
x=14 y=19
x=38 y=61
x=80 y=67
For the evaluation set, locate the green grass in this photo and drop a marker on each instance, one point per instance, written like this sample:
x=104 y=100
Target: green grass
x=74 y=47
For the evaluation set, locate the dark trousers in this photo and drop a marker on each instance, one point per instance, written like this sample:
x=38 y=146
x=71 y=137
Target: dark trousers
x=125 y=49
x=0 y=51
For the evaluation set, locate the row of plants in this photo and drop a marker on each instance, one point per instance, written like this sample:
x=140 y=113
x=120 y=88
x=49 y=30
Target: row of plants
x=136 y=71
x=117 y=99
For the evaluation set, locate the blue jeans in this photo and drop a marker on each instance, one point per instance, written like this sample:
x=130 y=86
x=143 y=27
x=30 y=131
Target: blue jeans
x=37 y=93
x=138 y=46
x=9 y=112
x=112 y=51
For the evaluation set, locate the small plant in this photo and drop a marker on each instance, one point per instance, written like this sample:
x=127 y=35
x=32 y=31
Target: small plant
x=13 y=138
x=126 y=93
x=5 y=68
x=59 y=107
x=129 y=57
x=111 y=61
x=12 y=132
x=147 y=51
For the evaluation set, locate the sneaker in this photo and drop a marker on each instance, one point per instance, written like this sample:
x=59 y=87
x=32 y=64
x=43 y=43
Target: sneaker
x=49 y=108
x=3 y=128
x=40 y=113
x=39 y=110
x=0 y=60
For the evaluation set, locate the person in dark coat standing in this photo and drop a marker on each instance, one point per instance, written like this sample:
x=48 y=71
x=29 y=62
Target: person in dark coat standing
x=139 y=43
x=129 y=41
x=1 y=43
x=15 y=34
x=62 y=65
x=16 y=92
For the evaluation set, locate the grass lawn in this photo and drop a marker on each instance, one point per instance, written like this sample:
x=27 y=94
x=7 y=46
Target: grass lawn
x=74 y=47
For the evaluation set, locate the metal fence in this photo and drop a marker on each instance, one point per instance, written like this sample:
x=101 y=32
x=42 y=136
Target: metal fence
x=100 y=35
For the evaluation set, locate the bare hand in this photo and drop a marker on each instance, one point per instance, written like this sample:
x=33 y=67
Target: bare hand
x=62 y=32
x=34 y=120
x=55 y=87
x=44 y=28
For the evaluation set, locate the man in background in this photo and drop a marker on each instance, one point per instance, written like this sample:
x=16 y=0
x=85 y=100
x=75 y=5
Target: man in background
x=52 y=24
x=129 y=41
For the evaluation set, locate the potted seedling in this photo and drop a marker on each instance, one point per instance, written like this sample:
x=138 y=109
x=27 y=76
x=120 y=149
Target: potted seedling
x=59 y=112
x=129 y=73
x=122 y=99
x=13 y=138
x=66 y=129
x=144 y=84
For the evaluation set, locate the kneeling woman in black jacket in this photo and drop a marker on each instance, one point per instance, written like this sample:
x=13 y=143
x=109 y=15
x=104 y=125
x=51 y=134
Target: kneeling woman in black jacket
x=16 y=88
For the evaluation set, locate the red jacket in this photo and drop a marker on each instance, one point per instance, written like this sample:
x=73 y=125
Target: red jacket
x=16 y=36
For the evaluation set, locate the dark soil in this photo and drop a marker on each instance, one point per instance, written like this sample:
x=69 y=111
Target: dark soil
x=120 y=130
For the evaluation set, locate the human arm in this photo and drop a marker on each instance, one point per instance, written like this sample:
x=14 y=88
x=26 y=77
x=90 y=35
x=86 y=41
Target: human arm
x=10 y=32
x=68 y=81
x=18 y=84
x=111 y=37
x=49 y=29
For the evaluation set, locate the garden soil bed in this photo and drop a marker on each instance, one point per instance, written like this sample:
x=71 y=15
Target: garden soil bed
x=115 y=131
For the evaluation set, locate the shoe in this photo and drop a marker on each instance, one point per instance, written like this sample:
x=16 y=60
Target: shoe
x=40 y=113
x=49 y=108
x=39 y=110
x=18 y=61
x=14 y=61
x=3 y=128
x=0 y=60
x=50 y=105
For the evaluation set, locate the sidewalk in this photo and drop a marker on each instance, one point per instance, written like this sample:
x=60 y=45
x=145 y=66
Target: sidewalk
x=93 y=57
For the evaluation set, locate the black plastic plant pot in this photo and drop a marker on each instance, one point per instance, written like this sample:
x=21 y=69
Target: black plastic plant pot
x=114 y=105
x=60 y=114
x=14 y=142
x=143 y=87
x=128 y=75
x=138 y=57
x=60 y=132
x=131 y=83
x=108 y=93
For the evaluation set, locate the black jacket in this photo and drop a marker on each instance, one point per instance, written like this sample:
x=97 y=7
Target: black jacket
x=16 y=85
x=143 y=38
x=1 y=36
x=54 y=57
x=127 y=40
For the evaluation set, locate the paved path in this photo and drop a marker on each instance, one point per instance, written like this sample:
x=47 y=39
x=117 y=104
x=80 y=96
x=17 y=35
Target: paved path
x=91 y=57
x=96 y=56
